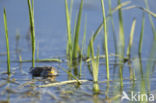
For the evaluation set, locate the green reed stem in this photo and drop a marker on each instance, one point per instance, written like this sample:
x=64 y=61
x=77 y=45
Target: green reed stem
x=100 y=26
x=77 y=32
x=71 y=7
x=152 y=52
x=141 y=34
x=131 y=38
x=121 y=49
x=93 y=37
x=151 y=21
x=39 y=60
x=120 y=5
x=105 y=38
x=32 y=4
x=7 y=42
x=113 y=27
x=37 y=54
x=32 y=29
x=83 y=44
x=69 y=38
x=121 y=32
x=95 y=66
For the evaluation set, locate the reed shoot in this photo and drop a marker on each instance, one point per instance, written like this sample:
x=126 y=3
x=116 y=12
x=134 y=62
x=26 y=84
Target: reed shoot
x=151 y=20
x=77 y=32
x=141 y=34
x=95 y=66
x=69 y=38
x=7 y=42
x=32 y=29
x=121 y=33
x=105 y=38
x=131 y=38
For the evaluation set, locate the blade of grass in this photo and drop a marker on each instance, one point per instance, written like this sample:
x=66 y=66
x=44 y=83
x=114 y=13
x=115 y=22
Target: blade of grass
x=153 y=50
x=113 y=28
x=70 y=74
x=121 y=32
x=121 y=49
x=132 y=75
x=93 y=37
x=93 y=62
x=141 y=34
x=83 y=44
x=151 y=21
x=148 y=11
x=120 y=5
x=39 y=60
x=142 y=82
x=71 y=7
x=100 y=26
x=37 y=54
x=149 y=66
x=69 y=38
x=77 y=32
x=84 y=35
x=131 y=38
x=32 y=28
x=143 y=9
x=95 y=66
x=105 y=38
x=7 y=42
x=32 y=2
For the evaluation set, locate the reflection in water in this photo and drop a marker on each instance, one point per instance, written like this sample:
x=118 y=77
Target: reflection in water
x=149 y=65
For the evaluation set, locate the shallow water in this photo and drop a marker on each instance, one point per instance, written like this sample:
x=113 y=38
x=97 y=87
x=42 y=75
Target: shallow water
x=50 y=26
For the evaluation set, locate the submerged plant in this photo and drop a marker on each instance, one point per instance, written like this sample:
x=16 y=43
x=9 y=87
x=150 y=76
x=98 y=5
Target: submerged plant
x=7 y=42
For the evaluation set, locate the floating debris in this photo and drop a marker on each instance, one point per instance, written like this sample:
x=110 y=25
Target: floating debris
x=63 y=83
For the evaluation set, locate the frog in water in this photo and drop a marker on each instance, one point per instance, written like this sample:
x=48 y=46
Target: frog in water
x=45 y=71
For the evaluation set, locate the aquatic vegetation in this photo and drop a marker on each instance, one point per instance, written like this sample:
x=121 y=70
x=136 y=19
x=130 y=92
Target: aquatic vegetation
x=7 y=42
x=73 y=48
x=83 y=46
x=93 y=38
x=113 y=26
x=95 y=68
x=32 y=29
x=77 y=32
x=121 y=33
x=105 y=38
x=141 y=35
x=150 y=19
x=69 y=37
x=131 y=38
x=101 y=72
